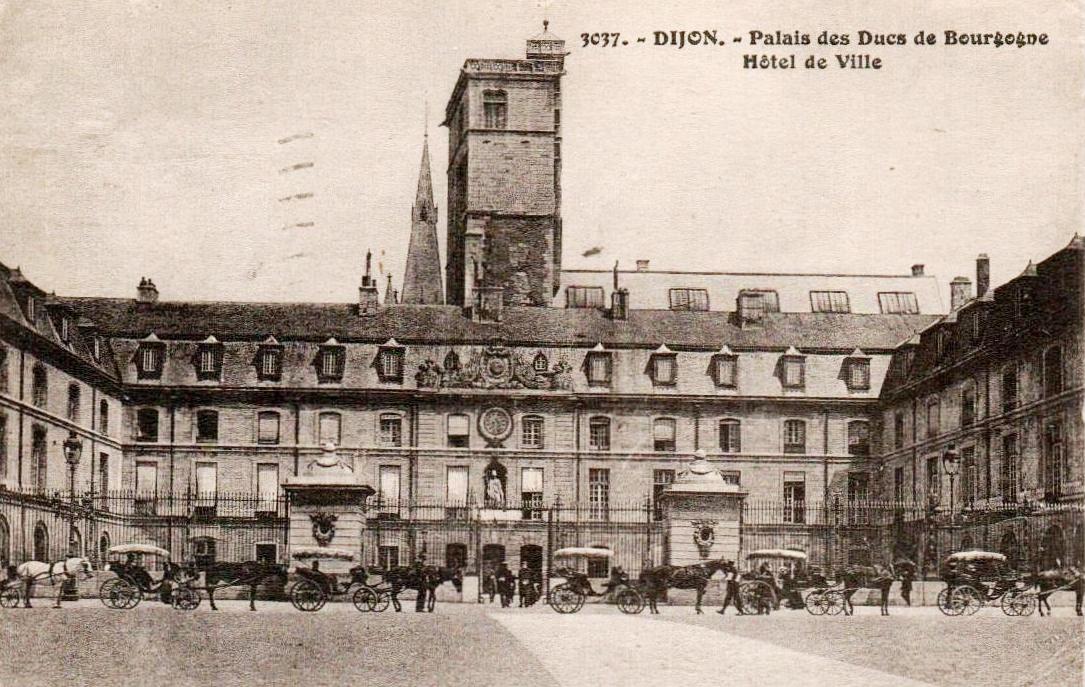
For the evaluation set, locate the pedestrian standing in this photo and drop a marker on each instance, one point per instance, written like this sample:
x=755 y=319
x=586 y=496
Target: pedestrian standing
x=732 y=593
x=906 y=578
x=418 y=576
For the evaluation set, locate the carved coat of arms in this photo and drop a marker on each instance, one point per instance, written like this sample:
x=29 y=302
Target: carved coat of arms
x=496 y=367
x=323 y=527
x=704 y=535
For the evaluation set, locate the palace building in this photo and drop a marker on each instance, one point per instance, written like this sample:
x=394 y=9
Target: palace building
x=585 y=387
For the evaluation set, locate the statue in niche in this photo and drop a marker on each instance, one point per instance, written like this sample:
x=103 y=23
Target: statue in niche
x=494 y=482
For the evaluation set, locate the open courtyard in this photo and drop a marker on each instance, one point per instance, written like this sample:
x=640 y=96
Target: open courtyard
x=467 y=644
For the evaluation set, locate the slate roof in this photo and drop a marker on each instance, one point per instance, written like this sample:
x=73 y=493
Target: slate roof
x=418 y=324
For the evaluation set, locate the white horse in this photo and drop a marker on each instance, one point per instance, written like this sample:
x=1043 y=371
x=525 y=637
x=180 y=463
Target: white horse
x=55 y=574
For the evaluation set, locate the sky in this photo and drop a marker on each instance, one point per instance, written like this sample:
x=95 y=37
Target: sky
x=142 y=138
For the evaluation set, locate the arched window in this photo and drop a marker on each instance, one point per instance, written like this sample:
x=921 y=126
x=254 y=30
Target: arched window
x=1053 y=371
x=330 y=428
x=599 y=433
x=663 y=429
x=39 y=386
x=103 y=417
x=76 y=543
x=452 y=362
x=41 y=542
x=3 y=369
x=39 y=459
x=859 y=438
x=74 y=399
x=5 y=543
x=540 y=363
x=730 y=436
x=103 y=547
x=495 y=105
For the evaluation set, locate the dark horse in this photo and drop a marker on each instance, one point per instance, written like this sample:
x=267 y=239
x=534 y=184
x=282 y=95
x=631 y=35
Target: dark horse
x=252 y=574
x=1048 y=581
x=856 y=577
x=403 y=577
x=659 y=579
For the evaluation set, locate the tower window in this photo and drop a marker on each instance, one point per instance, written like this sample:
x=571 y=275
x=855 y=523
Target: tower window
x=495 y=106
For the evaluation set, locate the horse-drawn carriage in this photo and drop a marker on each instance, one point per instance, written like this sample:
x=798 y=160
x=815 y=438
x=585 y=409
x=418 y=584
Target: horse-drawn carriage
x=132 y=580
x=975 y=579
x=316 y=587
x=762 y=588
x=570 y=595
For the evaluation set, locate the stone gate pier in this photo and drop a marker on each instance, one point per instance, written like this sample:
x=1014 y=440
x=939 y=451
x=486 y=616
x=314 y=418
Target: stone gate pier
x=702 y=515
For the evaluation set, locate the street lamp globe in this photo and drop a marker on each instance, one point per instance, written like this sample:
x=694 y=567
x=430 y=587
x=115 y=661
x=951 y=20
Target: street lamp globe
x=951 y=461
x=73 y=449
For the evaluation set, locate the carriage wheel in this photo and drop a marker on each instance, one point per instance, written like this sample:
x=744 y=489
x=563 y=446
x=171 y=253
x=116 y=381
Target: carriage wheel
x=814 y=602
x=1018 y=603
x=119 y=594
x=364 y=599
x=757 y=596
x=384 y=600
x=186 y=599
x=968 y=599
x=565 y=599
x=946 y=604
x=833 y=602
x=307 y=596
x=630 y=601
x=10 y=597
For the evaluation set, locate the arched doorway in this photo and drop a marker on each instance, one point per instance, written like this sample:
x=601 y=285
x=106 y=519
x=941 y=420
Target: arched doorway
x=76 y=542
x=41 y=542
x=1053 y=549
x=966 y=542
x=5 y=543
x=1009 y=548
x=456 y=555
x=103 y=547
x=492 y=556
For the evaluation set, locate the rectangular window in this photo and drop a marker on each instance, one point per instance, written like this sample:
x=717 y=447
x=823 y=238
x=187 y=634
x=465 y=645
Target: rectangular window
x=103 y=473
x=74 y=396
x=206 y=481
x=898 y=430
x=732 y=477
x=726 y=369
x=768 y=300
x=146 y=478
x=898 y=484
x=968 y=406
x=599 y=434
x=933 y=417
x=532 y=432
x=1053 y=371
x=209 y=361
x=970 y=484
x=898 y=303
x=330 y=428
x=663 y=431
x=584 y=297
x=103 y=417
x=531 y=493
x=664 y=369
x=1008 y=477
x=3 y=449
x=795 y=497
x=858 y=486
x=330 y=366
x=147 y=424
x=39 y=460
x=458 y=431
x=598 y=368
x=1009 y=388
x=267 y=431
x=271 y=362
x=207 y=425
x=599 y=494
x=65 y=329
x=387 y=557
x=689 y=299
x=859 y=438
x=794 y=436
x=495 y=106
x=391 y=364
x=456 y=485
x=391 y=430
x=149 y=359
x=858 y=374
x=660 y=480
x=794 y=373
x=934 y=481
x=829 y=301
x=730 y=436
x=1053 y=460
x=267 y=486
x=388 y=488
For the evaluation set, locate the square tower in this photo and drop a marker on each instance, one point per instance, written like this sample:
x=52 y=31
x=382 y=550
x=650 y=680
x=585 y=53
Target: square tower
x=504 y=176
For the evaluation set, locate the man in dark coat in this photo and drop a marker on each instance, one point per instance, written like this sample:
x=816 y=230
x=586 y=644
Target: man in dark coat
x=420 y=581
x=506 y=584
x=732 y=594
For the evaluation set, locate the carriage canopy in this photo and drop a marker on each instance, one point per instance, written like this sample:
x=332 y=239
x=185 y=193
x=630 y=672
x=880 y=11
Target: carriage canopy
x=583 y=552
x=976 y=556
x=789 y=554
x=145 y=549
x=322 y=553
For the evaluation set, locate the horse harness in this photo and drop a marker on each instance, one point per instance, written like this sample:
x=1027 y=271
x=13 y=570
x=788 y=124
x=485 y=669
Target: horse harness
x=50 y=575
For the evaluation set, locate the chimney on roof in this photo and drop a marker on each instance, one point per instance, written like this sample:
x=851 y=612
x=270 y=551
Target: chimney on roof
x=389 y=293
x=147 y=292
x=619 y=304
x=368 y=297
x=983 y=275
x=917 y=270
x=642 y=265
x=960 y=291
x=750 y=309
x=489 y=304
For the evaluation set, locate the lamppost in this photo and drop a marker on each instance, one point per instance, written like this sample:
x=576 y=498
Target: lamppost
x=73 y=451
x=951 y=463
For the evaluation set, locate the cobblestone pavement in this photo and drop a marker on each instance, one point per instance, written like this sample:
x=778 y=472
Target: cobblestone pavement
x=466 y=644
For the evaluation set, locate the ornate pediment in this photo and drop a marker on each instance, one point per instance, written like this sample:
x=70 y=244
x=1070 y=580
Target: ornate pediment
x=496 y=367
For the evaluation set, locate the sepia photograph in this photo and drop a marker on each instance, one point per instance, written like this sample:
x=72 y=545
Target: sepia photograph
x=542 y=343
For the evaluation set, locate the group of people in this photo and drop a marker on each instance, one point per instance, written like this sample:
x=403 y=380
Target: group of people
x=500 y=582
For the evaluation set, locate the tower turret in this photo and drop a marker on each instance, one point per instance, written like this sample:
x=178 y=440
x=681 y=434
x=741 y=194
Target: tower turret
x=422 y=278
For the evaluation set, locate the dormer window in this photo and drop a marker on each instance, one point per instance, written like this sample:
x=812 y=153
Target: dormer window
x=857 y=371
x=390 y=362
x=689 y=299
x=269 y=360
x=329 y=361
x=664 y=366
x=584 y=297
x=96 y=347
x=793 y=369
x=829 y=301
x=31 y=309
x=898 y=303
x=598 y=365
x=725 y=368
x=209 y=359
x=65 y=329
x=149 y=357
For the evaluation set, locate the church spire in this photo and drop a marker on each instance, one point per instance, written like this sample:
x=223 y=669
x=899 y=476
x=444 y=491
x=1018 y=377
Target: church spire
x=422 y=278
